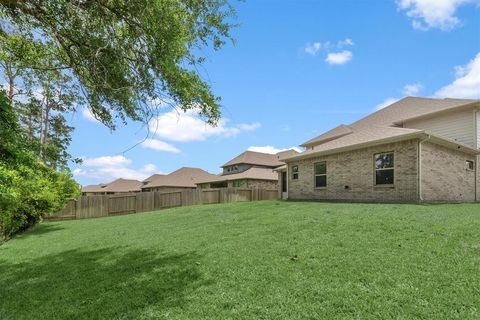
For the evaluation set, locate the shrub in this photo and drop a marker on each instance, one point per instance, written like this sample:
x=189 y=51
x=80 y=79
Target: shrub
x=28 y=188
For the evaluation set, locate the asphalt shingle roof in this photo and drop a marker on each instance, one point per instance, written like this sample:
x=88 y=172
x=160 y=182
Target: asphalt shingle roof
x=254 y=173
x=382 y=124
x=255 y=158
x=183 y=177
x=116 y=186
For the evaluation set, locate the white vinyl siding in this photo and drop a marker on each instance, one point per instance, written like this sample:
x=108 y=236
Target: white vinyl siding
x=457 y=126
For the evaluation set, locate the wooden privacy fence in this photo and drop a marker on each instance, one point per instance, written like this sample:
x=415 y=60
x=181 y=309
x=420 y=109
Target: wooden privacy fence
x=115 y=204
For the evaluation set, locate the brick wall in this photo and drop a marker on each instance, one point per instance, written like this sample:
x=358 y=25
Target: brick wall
x=166 y=189
x=445 y=176
x=263 y=184
x=355 y=169
x=238 y=184
x=248 y=183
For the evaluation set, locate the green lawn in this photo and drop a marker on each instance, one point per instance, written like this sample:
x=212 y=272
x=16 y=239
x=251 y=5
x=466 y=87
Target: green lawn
x=264 y=260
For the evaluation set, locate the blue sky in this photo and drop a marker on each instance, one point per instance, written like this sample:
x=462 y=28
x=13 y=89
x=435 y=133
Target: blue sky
x=298 y=68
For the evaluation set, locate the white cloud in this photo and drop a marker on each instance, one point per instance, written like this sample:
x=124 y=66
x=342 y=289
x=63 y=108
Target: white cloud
x=107 y=168
x=412 y=89
x=427 y=14
x=339 y=57
x=185 y=127
x=346 y=42
x=312 y=49
x=88 y=115
x=113 y=161
x=159 y=145
x=271 y=149
x=249 y=126
x=467 y=82
x=408 y=90
x=386 y=103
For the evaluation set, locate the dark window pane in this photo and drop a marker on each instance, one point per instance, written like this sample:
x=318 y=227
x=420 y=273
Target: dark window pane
x=295 y=168
x=320 y=181
x=384 y=177
x=284 y=182
x=470 y=165
x=384 y=160
x=222 y=184
x=321 y=168
x=295 y=176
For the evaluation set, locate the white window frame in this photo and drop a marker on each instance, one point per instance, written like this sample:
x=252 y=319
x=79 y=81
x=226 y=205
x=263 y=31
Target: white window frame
x=315 y=175
x=383 y=169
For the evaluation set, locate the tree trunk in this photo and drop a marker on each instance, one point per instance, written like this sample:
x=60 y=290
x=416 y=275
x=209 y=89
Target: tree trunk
x=11 y=81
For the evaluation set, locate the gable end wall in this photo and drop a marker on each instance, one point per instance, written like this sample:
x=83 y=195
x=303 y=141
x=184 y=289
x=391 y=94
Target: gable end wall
x=445 y=177
x=458 y=126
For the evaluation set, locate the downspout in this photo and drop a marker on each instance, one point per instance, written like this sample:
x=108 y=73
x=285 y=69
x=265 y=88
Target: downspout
x=287 y=177
x=419 y=167
x=477 y=157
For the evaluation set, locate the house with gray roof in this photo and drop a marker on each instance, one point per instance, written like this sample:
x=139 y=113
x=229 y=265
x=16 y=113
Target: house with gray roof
x=414 y=150
x=249 y=169
x=114 y=187
x=183 y=178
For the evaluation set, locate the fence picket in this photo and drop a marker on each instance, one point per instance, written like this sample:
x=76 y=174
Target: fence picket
x=104 y=205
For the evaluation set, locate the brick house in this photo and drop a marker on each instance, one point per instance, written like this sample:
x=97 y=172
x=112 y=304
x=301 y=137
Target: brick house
x=415 y=150
x=115 y=187
x=183 y=178
x=249 y=170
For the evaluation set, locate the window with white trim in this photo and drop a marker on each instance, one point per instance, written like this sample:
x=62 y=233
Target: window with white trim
x=320 y=174
x=384 y=168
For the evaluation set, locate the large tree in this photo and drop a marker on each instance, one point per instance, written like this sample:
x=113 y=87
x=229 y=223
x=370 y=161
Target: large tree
x=41 y=96
x=123 y=54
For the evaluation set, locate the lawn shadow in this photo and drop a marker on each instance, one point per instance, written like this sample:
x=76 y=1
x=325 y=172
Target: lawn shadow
x=39 y=229
x=105 y=283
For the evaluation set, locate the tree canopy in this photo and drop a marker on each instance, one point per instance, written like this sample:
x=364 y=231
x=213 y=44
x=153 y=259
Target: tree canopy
x=123 y=54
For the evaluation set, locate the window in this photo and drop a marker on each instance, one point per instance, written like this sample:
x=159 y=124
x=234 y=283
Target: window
x=237 y=183
x=294 y=172
x=384 y=168
x=215 y=185
x=470 y=165
x=321 y=174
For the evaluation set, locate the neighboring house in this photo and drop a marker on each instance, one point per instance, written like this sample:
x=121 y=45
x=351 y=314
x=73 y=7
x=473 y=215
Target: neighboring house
x=183 y=178
x=249 y=170
x=417 y=149
x=114 y=187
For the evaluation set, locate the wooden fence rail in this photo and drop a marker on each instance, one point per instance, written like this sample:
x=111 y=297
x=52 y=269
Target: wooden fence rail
x=107 y=205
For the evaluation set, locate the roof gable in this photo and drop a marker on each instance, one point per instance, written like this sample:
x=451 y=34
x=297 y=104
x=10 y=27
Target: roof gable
x=253 y=173
x=383 y=125
x=409 y=107
x=334 y=133
x=118 y=185
x=183 y=178
x=255 y=158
